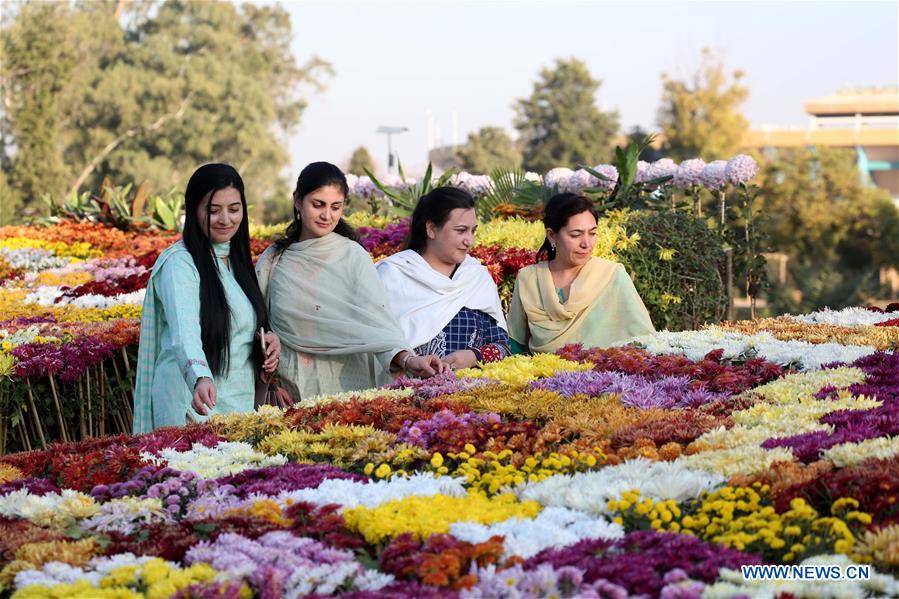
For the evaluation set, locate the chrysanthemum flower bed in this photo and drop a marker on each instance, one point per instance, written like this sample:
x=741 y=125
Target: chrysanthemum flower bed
x=655 y=469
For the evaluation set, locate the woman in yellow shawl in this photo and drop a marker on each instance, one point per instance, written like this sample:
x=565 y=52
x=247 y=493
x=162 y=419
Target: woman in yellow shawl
x=571 y=296
x=326 y=301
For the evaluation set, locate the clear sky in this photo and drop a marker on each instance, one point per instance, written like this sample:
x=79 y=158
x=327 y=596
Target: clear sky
x=394 y=61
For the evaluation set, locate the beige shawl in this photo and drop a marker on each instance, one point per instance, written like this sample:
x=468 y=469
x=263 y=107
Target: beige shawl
x=326 y=298
x=603 y=308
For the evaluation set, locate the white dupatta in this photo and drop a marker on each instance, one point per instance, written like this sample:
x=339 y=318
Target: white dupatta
x=424 y=301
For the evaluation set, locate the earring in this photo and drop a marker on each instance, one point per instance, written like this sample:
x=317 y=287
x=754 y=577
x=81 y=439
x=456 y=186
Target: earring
x=552 y=246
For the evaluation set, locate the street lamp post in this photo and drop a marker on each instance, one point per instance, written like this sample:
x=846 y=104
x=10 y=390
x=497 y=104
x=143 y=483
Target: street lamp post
x=390 y=131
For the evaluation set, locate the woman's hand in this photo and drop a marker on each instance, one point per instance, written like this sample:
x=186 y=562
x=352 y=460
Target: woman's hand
x=464 y=358
x=420 y=366
x=272 y=352
x=204 y=396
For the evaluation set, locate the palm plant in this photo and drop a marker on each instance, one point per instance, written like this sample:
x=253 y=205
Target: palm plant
x=406 y=198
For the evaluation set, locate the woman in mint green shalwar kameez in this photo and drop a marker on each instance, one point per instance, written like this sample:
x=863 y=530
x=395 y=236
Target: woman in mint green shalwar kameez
x=177 y=381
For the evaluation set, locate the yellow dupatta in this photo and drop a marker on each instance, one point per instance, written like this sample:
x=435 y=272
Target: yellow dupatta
x=602 y=309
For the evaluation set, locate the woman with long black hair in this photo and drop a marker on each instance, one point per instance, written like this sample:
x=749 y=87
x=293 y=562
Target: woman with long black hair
x=199 y=348
x=326 y=301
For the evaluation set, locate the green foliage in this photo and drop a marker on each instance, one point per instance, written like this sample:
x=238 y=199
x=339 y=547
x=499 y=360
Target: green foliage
x=488 y=150
x=700 y=117
x=687 y=290
x=559 y=123
x=360 y=162
x=836 y=231
x=117 y=207
x=403 y=200
x=148 y=97
x=628 y=193
x=506 y=186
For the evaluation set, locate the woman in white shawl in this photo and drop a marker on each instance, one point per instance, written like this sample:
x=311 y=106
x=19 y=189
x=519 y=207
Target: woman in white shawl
x=445 y=300
x=326 y=302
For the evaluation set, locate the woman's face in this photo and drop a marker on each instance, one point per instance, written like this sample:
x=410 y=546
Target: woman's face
x=320 y=211
x=451 y=242
x=225 y=213
x=575 y=241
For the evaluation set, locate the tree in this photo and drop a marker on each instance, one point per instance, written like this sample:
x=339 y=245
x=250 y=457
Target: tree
x=178 y=84
x=489 y=149
x=361 y=160
x=560 y=124
x=701 y=117
x=837 y=231
x=39 y=52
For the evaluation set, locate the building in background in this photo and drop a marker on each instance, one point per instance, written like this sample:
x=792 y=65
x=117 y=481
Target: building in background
x=865 y=120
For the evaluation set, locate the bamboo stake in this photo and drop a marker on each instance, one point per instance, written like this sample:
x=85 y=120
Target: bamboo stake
x=128 y=368
x=35 y=416
x=102 y=400
x=81 y=426
x=117 y=417
x=26 y=444
x=125 y=403
x=2 y=428
x=90 y=408
x=62 y=424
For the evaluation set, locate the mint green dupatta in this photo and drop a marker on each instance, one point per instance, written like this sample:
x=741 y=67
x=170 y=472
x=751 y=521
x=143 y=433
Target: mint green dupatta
x=149 y=349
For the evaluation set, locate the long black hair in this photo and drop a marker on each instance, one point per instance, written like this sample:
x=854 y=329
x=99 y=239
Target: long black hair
x=435 y=206
x=315 y=176
x=215 y=315
x=558 y=211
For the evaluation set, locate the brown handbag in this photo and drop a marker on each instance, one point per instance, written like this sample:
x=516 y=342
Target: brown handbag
x=270 y=393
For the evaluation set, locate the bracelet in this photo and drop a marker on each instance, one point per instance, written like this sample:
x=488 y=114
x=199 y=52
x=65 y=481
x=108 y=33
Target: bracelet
x=406 y=359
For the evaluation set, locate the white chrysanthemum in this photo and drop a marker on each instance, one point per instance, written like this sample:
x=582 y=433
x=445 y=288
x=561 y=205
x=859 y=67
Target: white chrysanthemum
x=348 y=493
x=560 y=176
x=847 y=317
x=226 y=458
x=740 y=169
x=610 y=172
x=847 y=454
x=101 y=301
x=743 y=460
x=45 y=295
x=737 y=346
x=591 y=491
x=364 y=395
x=553 y=527
x=689 y=173
x=642 y=172
x=363 y=187
x=581 y=179
x=54 y=573
x=476 y=185
x=34 y=259
x=52 y=509
x=661 y=168
x=712 y=176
